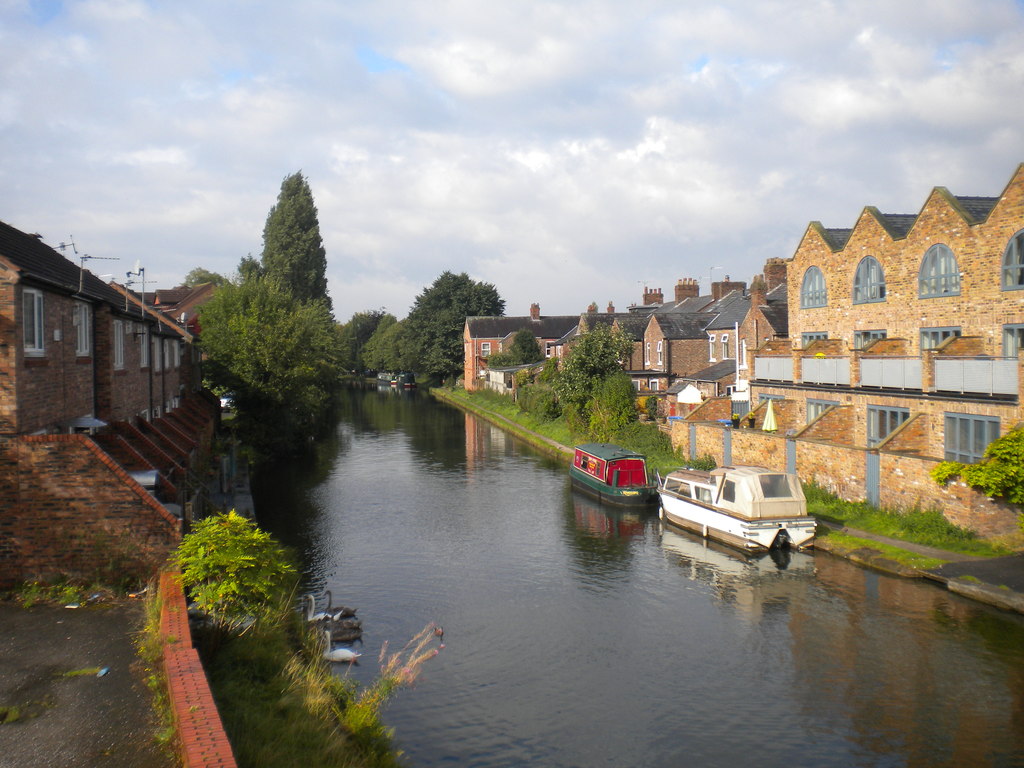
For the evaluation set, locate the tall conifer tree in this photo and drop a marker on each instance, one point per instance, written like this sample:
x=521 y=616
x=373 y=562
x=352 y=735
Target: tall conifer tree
x=293 y=252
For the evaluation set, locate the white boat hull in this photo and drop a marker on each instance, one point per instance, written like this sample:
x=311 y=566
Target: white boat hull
x=748 y=534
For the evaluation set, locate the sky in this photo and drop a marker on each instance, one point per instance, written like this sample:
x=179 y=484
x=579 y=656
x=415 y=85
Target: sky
x=565 y=152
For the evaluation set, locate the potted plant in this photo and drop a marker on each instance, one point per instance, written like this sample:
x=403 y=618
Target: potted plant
x=750 y=420
x=735 y=419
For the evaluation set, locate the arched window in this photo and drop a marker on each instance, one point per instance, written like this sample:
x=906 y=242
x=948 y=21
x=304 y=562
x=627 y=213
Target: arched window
x=812 y=292
x=1013 y=263
x=940 y=274
x=869 y=282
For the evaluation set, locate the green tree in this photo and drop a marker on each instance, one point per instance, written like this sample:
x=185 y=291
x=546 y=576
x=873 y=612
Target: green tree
x=435 y=323
x=278 y=357
x=293 y=252
x=387 y=349
x=1000 y=473
x=356 y=333
x=612 y=407
x=522 y=350
x=592 y=358
x=199 y=275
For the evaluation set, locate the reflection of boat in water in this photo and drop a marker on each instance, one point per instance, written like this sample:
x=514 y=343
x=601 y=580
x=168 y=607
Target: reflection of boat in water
x=752 y=508
x=607 y=522
x=726 y=559
x=612 y=474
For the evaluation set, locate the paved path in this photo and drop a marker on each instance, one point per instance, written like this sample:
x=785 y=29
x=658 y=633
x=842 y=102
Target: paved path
x=81 y=721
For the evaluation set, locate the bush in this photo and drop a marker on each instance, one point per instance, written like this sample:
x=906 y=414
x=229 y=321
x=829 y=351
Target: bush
x=539 y=401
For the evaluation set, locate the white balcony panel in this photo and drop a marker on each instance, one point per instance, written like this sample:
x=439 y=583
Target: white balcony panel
x=988 y=376
x=826 y=370
x=891 y=372
x=773 y=368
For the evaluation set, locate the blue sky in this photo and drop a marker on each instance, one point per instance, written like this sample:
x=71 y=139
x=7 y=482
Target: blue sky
x=566 y=152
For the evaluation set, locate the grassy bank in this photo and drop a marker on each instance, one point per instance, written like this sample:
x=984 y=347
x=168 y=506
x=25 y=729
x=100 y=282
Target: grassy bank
x=925 y=527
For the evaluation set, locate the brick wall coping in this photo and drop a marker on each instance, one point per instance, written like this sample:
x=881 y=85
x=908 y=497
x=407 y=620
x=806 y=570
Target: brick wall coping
x=201 y=737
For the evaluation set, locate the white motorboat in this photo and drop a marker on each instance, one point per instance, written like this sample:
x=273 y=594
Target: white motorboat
x=752 y=508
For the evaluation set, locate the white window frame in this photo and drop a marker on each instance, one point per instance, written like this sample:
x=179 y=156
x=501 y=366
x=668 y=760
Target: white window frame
x=157 y=355
x=485 y=349
x=81 y=318
x=647 y=354
x=118 y=345
x=144 y=342
x=176 y=353
x=661 y=351
x=743 y=354
x=711 y=348
x=725 y=346
x=34 y=321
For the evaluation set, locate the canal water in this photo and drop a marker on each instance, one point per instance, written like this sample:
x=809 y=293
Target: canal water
x=580 y=635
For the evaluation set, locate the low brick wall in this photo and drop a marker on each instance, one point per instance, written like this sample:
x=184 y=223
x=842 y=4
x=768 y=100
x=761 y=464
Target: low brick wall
x=201 y=737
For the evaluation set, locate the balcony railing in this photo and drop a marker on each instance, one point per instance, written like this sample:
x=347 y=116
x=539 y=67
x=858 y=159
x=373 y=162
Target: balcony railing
x=990 y=376
x=825 y=370
x=891 y=372
x=773 y=368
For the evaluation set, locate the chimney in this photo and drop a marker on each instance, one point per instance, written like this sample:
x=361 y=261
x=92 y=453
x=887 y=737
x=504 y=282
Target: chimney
x=687 y=288
x=611 y=308
x=653 y=296
x=757 y=292
x=721 y=288
x=535 y=311
x=592 y=307
x=775 y=273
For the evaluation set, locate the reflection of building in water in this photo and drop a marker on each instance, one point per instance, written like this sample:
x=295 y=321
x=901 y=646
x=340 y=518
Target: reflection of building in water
x=601 y=521
x=750 y=583
x=907 y=690
x=483 y=440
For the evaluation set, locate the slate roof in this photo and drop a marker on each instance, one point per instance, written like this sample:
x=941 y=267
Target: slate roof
x=728 y=311
x=547 y=327
x=41 y=265
x=631 y=324
x=776 y=311
x=898 y=224
x=683 y=326
x=978 y=208
x=715 y=372
x=838 y=238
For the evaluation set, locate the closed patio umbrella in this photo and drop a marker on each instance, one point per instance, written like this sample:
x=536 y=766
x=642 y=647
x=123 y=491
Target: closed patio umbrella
x=770 y=425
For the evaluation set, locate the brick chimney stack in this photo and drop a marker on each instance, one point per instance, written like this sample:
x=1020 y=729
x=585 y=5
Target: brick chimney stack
x=653 y=296
x=535 y=311
x=757 y=292
x=774 y=273
x=721 y=288
x=592 y=307
x=687 y=288
x=611 y=308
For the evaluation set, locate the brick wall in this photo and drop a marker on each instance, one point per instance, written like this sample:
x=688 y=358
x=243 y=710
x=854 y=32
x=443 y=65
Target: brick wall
x=71 y=510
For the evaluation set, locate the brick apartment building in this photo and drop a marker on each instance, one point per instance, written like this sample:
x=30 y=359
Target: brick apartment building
x=101 y=419
x=904 y=349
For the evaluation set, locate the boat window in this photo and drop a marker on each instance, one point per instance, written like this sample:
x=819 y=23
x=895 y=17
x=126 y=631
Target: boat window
x=775 y=486
x=684 y=490
x=703 y=494
x=729 y=491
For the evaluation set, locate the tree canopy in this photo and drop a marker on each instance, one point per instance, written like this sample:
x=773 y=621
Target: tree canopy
x=356 y=333
x=592 y=358
x=523 y=349
x=199 y=275
x=293 y=252
x=435 y=322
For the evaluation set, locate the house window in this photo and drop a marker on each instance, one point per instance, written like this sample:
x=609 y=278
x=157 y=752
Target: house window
x=807 y=338
x=743 y=354
x=932 y=337
x=118 y=344
x=653 y=385
x=763 y=398
x=711 y=348
x=812 y=291
x=81 y=318
x=176 y=353
x=144 y=348
x=647 y=354
x=725 y=346
x=862 y=338
x=967 y=436
x=817 y=407
x=1013 y=339
x=939 y=274
x=485 y=349
x=882 y=421
x=661 y=360
x=156 y=359
x=1013 y=263
x=868 y=282
x=32 y=303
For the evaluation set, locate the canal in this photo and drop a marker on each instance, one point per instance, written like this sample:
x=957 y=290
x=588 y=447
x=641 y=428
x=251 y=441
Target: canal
x=578 y=635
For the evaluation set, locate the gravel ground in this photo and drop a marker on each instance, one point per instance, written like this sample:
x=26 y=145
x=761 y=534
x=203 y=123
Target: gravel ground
x=67 y=721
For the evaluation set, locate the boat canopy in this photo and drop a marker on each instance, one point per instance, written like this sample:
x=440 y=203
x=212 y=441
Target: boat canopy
x=758 y=492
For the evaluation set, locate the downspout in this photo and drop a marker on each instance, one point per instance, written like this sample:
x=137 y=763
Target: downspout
x=149 y=342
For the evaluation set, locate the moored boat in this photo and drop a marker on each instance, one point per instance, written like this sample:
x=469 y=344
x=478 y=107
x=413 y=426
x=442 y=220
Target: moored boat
x=752 y=508
x=613 y=474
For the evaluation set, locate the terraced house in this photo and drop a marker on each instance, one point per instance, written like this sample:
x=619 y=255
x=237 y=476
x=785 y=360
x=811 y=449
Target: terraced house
x=904 y=349
x=101 y=418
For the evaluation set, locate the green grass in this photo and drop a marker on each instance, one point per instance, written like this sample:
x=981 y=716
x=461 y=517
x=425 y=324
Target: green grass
x=927 y=527
x=843 y=544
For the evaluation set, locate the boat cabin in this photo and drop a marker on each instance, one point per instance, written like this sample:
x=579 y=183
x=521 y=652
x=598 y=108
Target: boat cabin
x=611 y=465
x=750 y=492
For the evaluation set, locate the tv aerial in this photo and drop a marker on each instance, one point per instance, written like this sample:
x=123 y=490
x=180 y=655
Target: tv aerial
x=82 y=258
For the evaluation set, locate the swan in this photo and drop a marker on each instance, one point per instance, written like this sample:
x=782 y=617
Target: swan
x=338 y=654
x=311 y=613
x=343 y=612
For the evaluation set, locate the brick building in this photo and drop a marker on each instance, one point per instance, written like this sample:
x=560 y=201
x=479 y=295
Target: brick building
x=101 y=418
x=904 y=349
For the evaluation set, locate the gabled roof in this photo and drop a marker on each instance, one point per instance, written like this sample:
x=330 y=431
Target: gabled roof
x=166 y=325
x=715 y=372
x=631 y=324
x=682 y=326
x=978 y=208
x=837 y=238
x=776 y=311
x=691 y=304
x=546 y=327
x=40 y=264
x=728 y=311
x=896 y=224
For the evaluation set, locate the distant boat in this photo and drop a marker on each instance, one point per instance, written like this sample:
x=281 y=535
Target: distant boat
x=613 y=474
x=752 y=508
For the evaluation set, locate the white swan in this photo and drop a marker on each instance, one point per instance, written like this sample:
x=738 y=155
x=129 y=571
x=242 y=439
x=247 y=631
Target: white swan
x=338 y=654
x=311 y=613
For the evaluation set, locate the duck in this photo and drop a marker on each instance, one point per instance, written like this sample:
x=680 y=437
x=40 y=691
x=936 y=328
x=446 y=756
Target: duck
x=338 y=655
